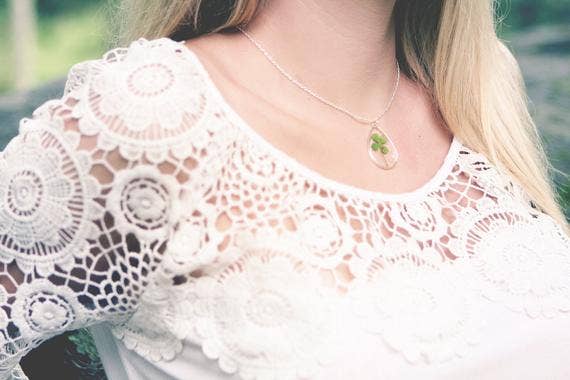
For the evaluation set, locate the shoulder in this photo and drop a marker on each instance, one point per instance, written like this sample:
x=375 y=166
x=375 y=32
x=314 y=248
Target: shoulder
x=146 y=98
x=144 y=70
x=136 y=53
x=480 y=173
x=490 y=200
x=492 y=188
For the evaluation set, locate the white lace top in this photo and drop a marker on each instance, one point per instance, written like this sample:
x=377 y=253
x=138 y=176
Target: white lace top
x=141 y=204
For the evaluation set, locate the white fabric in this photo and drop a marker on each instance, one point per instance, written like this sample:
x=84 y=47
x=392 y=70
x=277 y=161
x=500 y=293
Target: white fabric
x=142 y=205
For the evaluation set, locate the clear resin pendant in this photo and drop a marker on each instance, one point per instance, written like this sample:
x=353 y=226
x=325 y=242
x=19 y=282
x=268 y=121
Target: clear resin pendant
x=381 y=149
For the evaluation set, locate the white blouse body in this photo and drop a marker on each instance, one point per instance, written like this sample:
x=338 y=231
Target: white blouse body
x=142 y=206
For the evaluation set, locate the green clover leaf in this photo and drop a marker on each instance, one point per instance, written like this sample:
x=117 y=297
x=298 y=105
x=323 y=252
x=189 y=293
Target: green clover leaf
x=379 y=143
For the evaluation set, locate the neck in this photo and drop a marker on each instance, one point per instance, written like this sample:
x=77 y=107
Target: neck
x=345 y=53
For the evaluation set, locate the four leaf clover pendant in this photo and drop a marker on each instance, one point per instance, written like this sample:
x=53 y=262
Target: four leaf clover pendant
x=381 y=149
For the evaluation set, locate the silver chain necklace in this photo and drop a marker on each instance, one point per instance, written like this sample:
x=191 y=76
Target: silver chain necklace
x=380 y=147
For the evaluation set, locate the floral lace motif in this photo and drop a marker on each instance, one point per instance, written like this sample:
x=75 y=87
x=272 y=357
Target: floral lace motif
x=423 y=311
x=142 y=105
x=42 y=216
x=514 y=254
x=139 y=198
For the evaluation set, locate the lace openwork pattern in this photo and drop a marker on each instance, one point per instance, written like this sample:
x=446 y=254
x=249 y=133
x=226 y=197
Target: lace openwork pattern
x=139 y=199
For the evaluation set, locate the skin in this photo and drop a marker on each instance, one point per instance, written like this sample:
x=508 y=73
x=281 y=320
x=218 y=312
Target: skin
x=346 y=55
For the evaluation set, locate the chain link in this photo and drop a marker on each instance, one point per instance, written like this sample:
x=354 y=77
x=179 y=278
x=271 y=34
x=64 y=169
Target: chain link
x=312 y=93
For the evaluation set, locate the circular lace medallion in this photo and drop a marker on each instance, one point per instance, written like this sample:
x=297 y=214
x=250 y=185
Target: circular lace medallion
x=46 y=202
x=420 y=218
x=139 y=100
x=320 y=229
x=261 y=315
x=44 y=308
x=144 y=201
x=522 y=261
x=428 y=313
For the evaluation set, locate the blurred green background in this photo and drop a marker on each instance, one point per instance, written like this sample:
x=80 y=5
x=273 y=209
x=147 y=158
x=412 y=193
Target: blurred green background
x=70 y=31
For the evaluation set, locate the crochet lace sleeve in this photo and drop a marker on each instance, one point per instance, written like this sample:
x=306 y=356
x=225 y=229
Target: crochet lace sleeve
x=89 y=190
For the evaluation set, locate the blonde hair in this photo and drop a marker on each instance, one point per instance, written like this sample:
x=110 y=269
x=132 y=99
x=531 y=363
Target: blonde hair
x=448 y=46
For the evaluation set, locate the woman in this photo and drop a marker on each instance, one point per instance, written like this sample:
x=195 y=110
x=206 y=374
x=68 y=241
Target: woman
x=254 y=191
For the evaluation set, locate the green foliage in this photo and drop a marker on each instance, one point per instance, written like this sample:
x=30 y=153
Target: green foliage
x=69 y=38
x=84 y=344
x=65 y=37
x=85 y=356
x=524 y=13
x=59 y=7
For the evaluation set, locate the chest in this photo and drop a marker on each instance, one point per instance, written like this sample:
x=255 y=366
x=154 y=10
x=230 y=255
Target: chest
x=273 y=269
x=328 y=298
x=337 y=147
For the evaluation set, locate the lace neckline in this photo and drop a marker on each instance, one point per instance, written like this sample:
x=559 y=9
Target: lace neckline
x=427 y=187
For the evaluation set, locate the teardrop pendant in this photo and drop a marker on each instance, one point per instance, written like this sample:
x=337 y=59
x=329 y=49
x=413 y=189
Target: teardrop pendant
x=381 y=149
